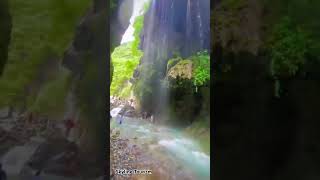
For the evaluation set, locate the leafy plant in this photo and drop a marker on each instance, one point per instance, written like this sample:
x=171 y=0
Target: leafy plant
x=201 y=74
x=288 y=48
x=124 y=63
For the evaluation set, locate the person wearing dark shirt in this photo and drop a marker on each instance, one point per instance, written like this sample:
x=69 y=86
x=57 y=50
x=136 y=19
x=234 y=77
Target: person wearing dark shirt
x=3 y=175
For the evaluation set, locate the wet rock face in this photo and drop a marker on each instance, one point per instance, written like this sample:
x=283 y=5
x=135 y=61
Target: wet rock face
x=119 y=21
x=237 y=25
x=5 y=26
x=256 y=134
x=171 y=27
x=250 y=123
x=175 y=26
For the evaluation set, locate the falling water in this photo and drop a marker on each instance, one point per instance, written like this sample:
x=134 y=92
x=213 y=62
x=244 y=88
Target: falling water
x=138 y=6
x=169 y=26
x=200 y=24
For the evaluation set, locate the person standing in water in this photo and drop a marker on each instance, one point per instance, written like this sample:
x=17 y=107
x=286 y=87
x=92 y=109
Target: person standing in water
x=3 y=174
x=120 y=119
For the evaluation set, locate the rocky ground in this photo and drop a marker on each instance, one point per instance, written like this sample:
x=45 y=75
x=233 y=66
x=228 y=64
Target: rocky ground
x=55 y=155
x=128 y=107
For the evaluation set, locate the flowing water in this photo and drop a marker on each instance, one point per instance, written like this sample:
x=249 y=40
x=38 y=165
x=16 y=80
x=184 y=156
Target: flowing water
x=166 y=143
x=137 y=11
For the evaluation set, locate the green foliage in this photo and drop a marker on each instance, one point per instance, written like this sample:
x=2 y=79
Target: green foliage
x=91 y=101
x=201 y=73
x=144 y=87
x=88 y=86
x=51 y=100
x=125 y=58
x=289 y=46
x=302 y=14
x=41 y=29
x=138 y=26
x=124 y=62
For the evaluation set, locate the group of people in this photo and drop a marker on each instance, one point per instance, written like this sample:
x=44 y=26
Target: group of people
x=3 y=174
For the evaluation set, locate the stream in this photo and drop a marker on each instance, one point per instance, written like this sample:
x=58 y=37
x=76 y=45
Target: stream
x=164 y=143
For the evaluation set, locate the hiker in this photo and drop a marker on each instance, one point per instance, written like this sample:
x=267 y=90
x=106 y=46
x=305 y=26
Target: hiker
x=37 y=175
x=120 y=119
x=69 y=124
x=144 y=115
x=3 y=174
x=131 y=102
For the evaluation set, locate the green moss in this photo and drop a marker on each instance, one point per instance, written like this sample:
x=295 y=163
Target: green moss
x=173 y=62
x=126 y=91
x=88 y=86
x=196 y=67
x=91 y=102
x=51 y=100
x=41 y=29
x=138 y=26
x=145 y=86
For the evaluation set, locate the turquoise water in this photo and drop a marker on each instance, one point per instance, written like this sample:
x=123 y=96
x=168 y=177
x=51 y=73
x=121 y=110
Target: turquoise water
x=166 y=142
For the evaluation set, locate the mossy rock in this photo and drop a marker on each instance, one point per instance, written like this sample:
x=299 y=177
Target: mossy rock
x=172 y=62
x=183 y=69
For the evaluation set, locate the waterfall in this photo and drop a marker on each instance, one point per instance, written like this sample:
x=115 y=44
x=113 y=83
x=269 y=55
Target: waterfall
x=170 y=27
x=138 y=6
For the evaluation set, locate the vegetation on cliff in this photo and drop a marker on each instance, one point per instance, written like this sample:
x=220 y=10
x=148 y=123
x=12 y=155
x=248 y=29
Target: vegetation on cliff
x=196 y=68
x=124 y=62
x=41 y=30
x=52 y=98
x=125 y=59
x=288 y=49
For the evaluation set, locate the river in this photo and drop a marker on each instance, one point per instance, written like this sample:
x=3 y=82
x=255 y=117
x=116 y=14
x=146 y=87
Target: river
x=165 y=142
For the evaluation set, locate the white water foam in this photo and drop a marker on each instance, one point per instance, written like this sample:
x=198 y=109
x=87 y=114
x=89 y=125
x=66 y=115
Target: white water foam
x=115 y=111
x=201 y=155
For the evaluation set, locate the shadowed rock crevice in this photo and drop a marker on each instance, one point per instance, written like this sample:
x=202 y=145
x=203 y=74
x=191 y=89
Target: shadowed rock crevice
x=5 y=27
